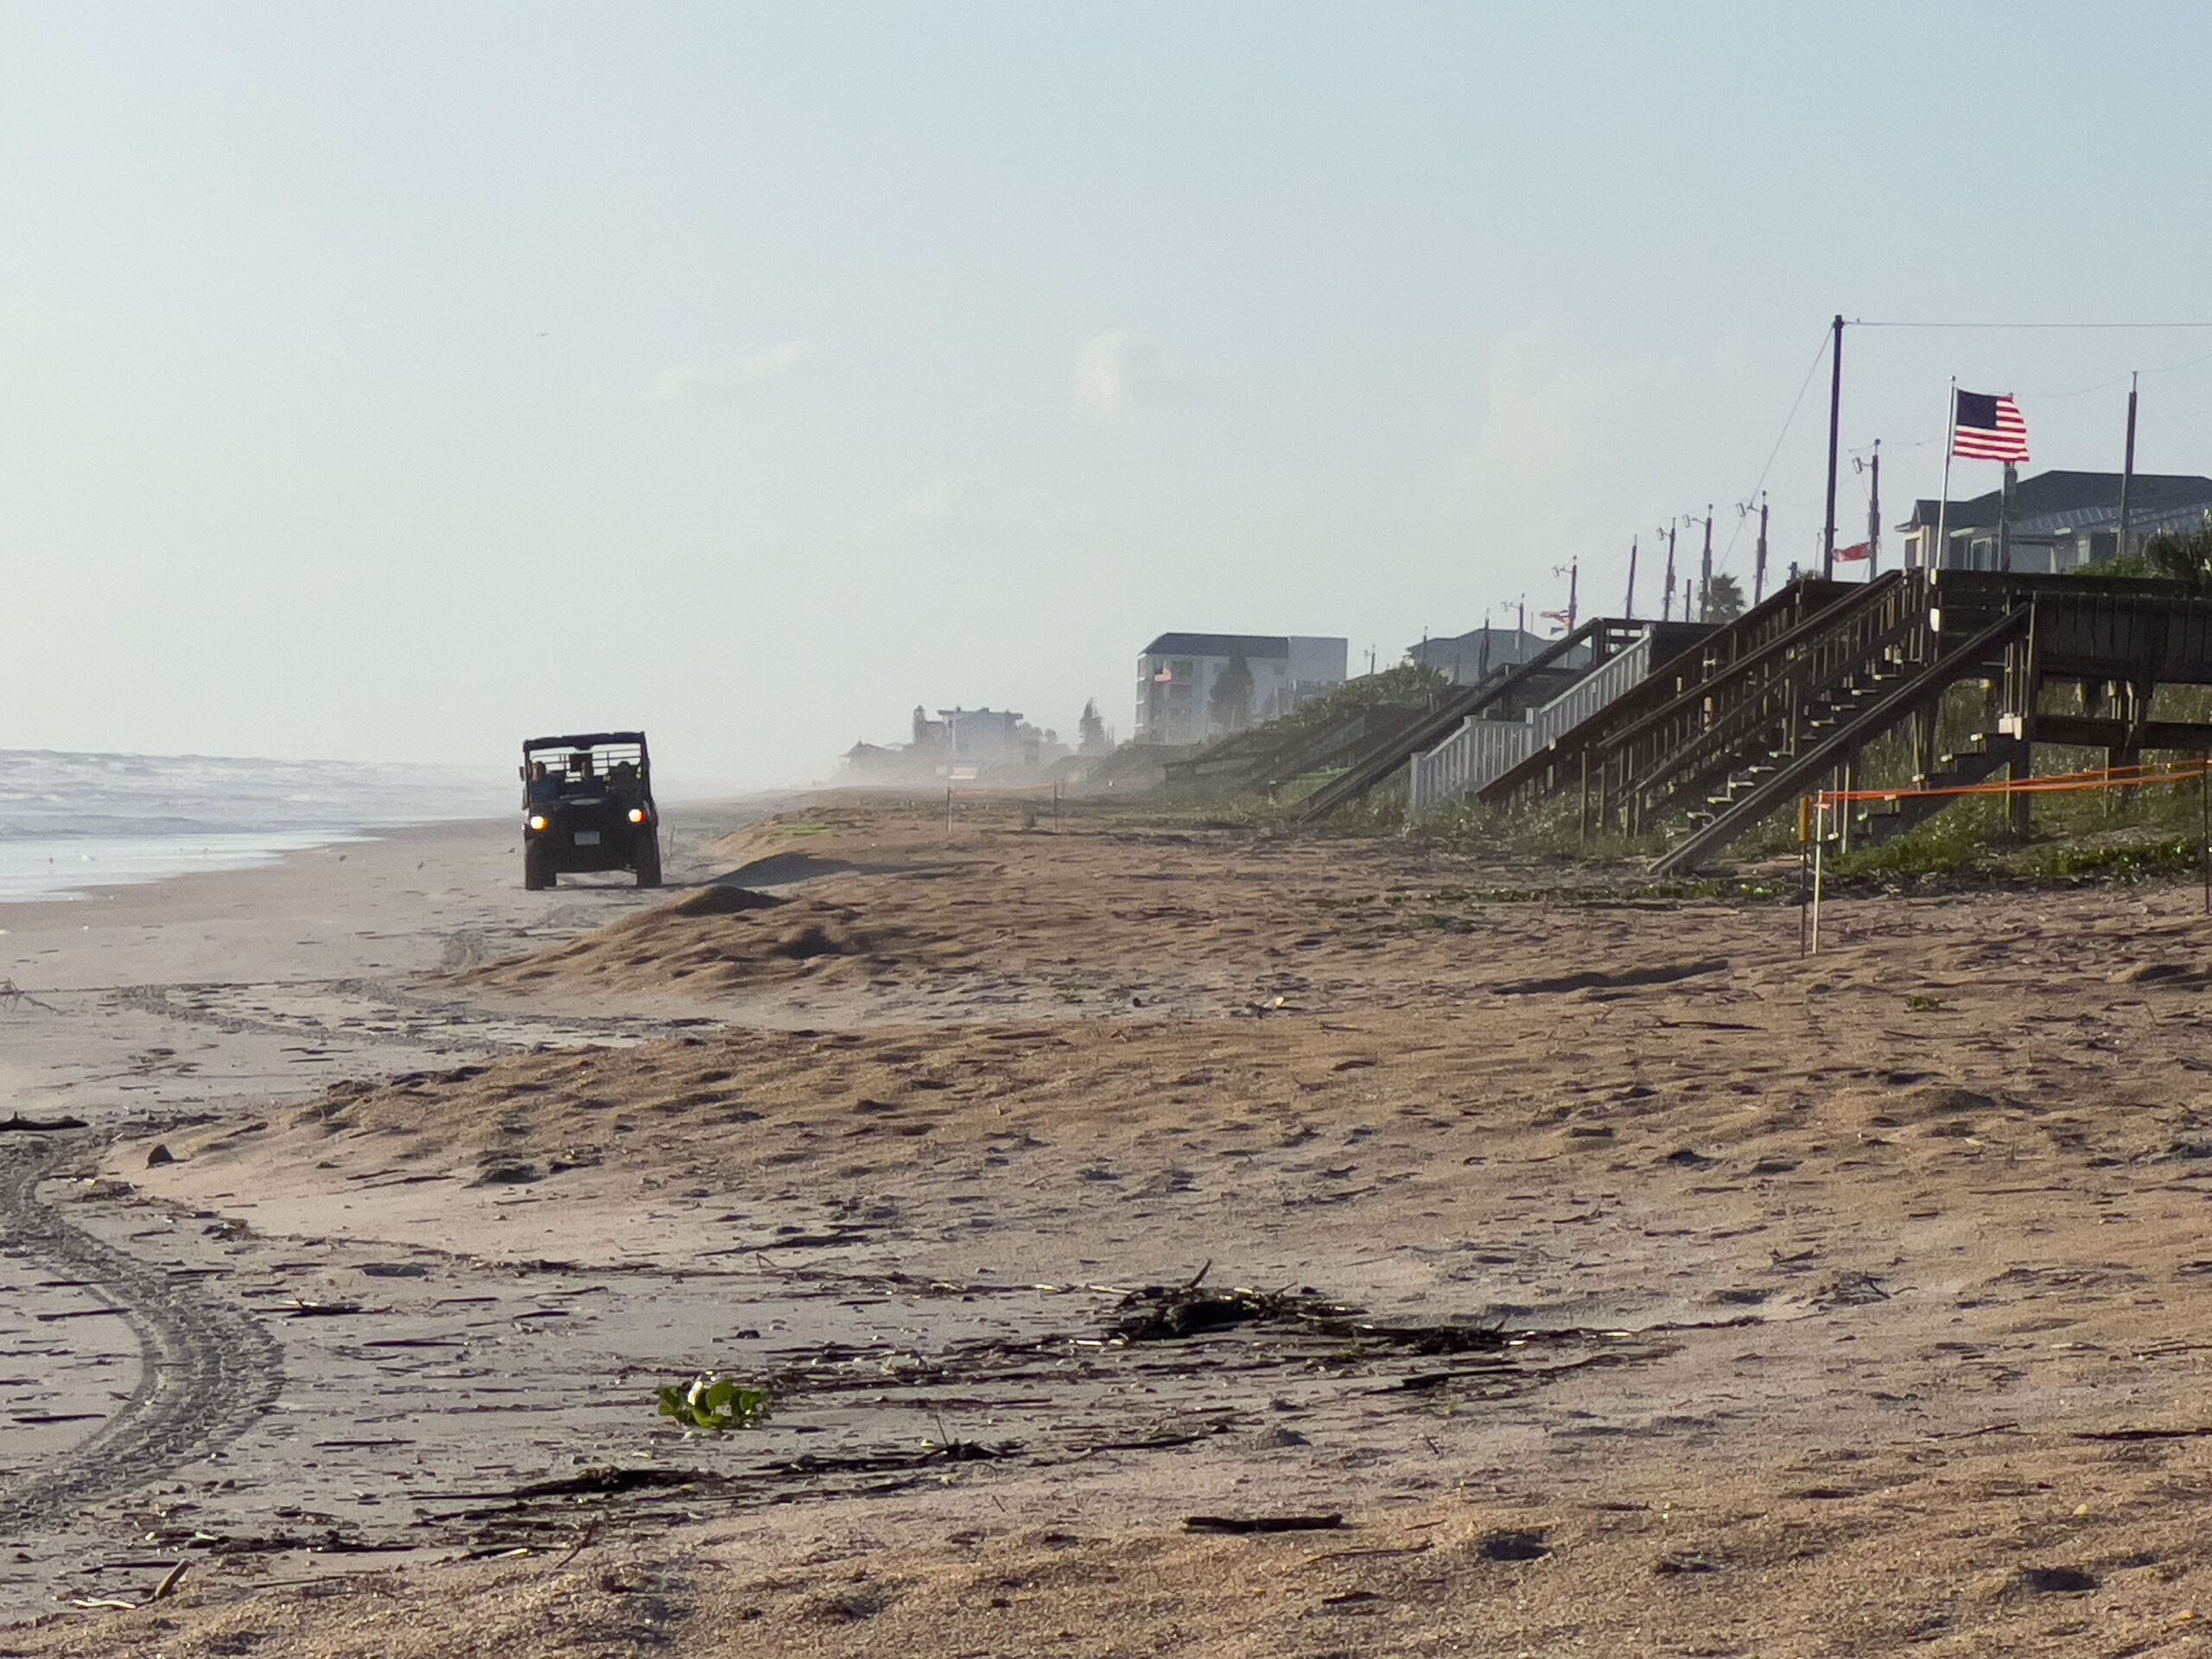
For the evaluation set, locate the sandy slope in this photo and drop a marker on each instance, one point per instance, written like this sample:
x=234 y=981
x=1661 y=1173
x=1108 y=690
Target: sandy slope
x=1866 y=1292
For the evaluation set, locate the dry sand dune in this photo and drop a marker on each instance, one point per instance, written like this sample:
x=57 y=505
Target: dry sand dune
x=1644 y=1287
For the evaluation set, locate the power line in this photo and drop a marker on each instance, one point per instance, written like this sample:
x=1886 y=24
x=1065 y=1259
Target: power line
x=1788 y=421
x=1861 y=322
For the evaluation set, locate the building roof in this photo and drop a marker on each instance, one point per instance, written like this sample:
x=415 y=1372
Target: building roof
x=1220 y=645
x=1472 y=641
x=2086 y=497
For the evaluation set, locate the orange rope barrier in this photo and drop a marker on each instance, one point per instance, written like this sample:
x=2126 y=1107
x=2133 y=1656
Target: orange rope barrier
x=1812 y=818
x=2056 y=783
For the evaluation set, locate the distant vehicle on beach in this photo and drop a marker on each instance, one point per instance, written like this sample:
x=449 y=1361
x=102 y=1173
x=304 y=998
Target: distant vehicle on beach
x=588 y=804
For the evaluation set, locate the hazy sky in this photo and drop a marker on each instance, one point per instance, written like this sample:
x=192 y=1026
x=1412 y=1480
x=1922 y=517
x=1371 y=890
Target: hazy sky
x=389 y=381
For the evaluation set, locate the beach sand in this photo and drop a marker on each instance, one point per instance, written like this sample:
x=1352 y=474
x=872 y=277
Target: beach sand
x=1619 y=1280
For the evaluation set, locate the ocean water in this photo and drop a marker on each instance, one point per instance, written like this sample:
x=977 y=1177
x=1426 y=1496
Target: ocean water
x=72 y=822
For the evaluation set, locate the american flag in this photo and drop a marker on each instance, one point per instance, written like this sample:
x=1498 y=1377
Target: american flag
x=1989 y=428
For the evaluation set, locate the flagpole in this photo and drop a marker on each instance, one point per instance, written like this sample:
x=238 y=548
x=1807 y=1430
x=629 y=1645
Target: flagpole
x=1944 y=507
x=1628 y=609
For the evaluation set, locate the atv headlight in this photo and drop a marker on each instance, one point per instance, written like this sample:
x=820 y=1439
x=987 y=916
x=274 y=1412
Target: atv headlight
x=636 y=815
x=538 y=821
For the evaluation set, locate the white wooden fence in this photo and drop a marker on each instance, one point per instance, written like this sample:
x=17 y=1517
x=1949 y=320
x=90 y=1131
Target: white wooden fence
x=1483 y=749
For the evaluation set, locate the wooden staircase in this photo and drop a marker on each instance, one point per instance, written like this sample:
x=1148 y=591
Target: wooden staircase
x=1574 y=756
x=1772 y=768
x=1785 y=700
x=1506 y=694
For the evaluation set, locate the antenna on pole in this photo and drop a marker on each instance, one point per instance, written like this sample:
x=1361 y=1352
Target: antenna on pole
x=1874 y=514
x=1627 y=609
x=1704 y=571
x=1758 y=581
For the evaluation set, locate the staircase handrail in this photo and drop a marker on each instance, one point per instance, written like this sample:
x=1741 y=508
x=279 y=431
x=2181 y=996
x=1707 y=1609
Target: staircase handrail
x=1395 y=751
x=1815 y=664
x=1601 y=685
x=1877 y=717
x=1781 y=646
x=1480 y=749
x=1681 y=667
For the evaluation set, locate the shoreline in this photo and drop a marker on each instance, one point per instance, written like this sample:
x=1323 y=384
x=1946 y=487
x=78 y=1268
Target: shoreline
x=133 y=861
x=166 y=855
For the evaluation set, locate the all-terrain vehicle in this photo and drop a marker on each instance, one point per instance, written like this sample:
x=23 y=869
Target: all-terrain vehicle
x=588 y=804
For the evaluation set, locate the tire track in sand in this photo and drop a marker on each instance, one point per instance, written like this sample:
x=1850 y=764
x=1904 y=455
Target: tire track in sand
x=206 y=1372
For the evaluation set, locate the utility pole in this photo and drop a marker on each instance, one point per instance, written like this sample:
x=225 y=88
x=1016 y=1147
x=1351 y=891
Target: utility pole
x=2127 y=469
x=1874 y=514
x=1627 y=609
x=1758 y=570
x=1704 y=571
x=1573 y=580
x=1666 y=611
x=1835 y=424
x=1524 y=626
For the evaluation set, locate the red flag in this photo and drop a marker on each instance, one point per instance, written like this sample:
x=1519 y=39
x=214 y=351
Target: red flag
x=1855 y=553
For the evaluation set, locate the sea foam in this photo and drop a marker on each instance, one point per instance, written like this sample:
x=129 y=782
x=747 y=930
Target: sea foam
x=69 y=822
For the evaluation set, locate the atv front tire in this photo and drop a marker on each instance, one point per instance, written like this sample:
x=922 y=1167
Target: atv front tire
x=649 y=860
x=538 y=867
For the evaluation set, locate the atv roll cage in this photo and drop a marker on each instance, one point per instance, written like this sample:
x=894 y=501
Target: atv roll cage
x=588 y=804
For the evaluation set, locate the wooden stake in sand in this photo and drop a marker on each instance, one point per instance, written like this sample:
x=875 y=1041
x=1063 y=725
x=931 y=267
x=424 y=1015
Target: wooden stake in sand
x=1820 y=838
x=1804 y=873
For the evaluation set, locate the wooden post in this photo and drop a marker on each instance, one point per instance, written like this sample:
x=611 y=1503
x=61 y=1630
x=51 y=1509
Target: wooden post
x=1704 y=571
x=2004 y=518
x=1836 y=422
x=1874 y=515
x=1849 y=782
x=2020 y=694
x=1758 y=570
x=2126 y=471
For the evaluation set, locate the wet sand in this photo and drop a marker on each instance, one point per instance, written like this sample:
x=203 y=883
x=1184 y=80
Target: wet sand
x=1630 y=1283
